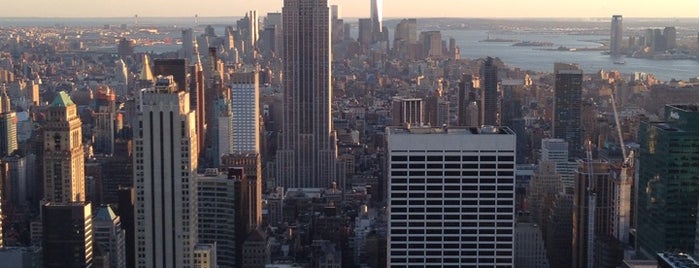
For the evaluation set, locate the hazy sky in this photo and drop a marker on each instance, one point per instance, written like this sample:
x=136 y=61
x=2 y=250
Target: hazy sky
x=355 y=8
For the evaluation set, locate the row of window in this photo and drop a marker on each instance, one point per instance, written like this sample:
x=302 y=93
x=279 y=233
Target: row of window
x=440 y=181
x=437 y=195
x=452 y=158
x=450 y=188
x=494 y=165
x=466 y=250
x=452 y=173
x=454 y=210
x=438 y=208
x=505 y=219
x=452 y=217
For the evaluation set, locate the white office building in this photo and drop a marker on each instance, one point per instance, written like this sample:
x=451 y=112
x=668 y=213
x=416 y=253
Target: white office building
x=165 y=161
x=556 y=150
x=451 y=197
x=245 y=91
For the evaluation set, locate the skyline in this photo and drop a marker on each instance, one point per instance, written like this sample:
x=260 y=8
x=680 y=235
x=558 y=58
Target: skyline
x=353 y=9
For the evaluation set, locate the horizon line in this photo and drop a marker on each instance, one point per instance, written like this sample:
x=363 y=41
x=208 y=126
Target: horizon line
x=348 y=17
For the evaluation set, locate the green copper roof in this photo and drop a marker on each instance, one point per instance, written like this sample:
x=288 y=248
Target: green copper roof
x=62 y=100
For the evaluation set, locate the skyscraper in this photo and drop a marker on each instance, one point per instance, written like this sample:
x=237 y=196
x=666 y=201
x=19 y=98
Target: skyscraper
x=365 y=34
x=376 y=15
x=249 y=30
x=245 y=93
x=567 y=106
x=376 y=18
x=489 y=84
x=67 y=235
x=223 y=128
x=164 y=168
x=64 y=158
x=668 y=192
x=104 y=114
x=337 y=24
x=198 y=100
x=126 y=212
x=109 y=235
x=451 y=197
x=543 y=188
x=594 y=193
x=556 y=151
x=432 y=44
x=466 y=96
x=174 y=67
x=216 y=214
x=187 y=44
x=670 y=34
x=308 y=148
x=8 y=125
x=405 y=35
x=617 y=34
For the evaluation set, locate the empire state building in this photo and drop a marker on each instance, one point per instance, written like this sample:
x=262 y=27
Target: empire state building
x=308 y=149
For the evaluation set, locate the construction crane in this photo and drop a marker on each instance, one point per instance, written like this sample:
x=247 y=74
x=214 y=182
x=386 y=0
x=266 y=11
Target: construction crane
x=622 y=193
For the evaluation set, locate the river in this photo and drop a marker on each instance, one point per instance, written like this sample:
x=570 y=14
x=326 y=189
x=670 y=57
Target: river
x=539 y=59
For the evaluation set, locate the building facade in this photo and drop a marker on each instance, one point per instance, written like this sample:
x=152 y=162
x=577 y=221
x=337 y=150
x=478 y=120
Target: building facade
x=245 y=95
x=668 y=188
x=104 y=116
x=165 y=161
x=109 y=235
x=64 y=157
x=216 y=215
x=556 y=151
x=490 y=109
x=67 y=235
x=308 y=147
x=567 y=116
x=407 y=111
x=529 y=246
x=8 y=125
x=593 y=217
x=617 y=35
x=451 y=197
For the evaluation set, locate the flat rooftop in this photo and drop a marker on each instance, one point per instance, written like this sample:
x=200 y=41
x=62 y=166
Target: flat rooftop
x=483 y=130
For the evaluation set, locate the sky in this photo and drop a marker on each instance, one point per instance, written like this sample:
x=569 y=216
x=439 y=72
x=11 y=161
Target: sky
x=357 y=8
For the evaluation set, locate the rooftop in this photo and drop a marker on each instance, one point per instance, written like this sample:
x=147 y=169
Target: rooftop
x=690 y=108
x=677 y=260
x=105 y=213
x=62 y=99
x=483 y=130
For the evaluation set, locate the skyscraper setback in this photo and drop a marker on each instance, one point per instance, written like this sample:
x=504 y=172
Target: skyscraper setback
x=308 y=149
